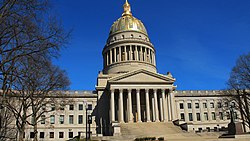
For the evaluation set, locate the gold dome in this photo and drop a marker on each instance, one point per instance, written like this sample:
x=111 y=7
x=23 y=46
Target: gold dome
x=127 y=22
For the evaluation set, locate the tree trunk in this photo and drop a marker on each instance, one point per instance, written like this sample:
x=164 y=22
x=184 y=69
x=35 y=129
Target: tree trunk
x=35 y=131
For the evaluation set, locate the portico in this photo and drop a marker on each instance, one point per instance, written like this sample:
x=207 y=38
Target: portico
x=140 y=96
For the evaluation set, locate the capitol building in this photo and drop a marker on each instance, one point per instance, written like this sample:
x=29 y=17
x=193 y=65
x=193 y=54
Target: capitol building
x=130 y=93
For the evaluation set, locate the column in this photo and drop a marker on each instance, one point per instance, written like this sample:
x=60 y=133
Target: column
x=201 y=110
x=156 y=106
x=164 y=105
x=149 y=55
x=138 y=104
x=194 y=111
x=126 y=55
x=145 y=54
x=115 y=55
x=130 y=52
x=153 y=110
x=130 y=114
x=185 y=110
x=169 y=107
x=161 y=109
x=147 y=105
x=120 y=54
x=110 y=56
x=209 y=110
x=141 y=53
x=107 y=58
x=112 y=105
x=121 y=118
x=173 y=107
x=136 y=54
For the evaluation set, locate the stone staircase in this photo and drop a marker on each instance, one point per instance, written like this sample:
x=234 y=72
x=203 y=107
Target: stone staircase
x=170 y=132
x=154 y=129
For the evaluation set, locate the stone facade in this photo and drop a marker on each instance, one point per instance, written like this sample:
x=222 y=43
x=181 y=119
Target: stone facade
x=130 y=90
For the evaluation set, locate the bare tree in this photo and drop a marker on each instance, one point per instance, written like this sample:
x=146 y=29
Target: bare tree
x=239 y=86
x=40 y=84
x=26 y=30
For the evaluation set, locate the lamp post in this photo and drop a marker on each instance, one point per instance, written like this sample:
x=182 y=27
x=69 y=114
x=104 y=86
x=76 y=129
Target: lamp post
x=88 y=107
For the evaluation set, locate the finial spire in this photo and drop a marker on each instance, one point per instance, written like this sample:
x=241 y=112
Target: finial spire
x=127 y=9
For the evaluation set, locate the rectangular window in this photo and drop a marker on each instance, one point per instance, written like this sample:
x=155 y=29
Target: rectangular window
x=41 y=135
x=51 y=134
x=61 y=134
x=197 y=106
x=221 y=115
x=181 y=106
x=205 y=116
x=213 y=116
x=226 y=104
x=80 y=119
x=204 y=105
x=71 y=119
x=219 y=105
x=52 y=119
x=80 y=108
x=61 y=119
x=42 y=119
x=189 y=105
x=228 y=115
x=71 y=135
x=62 y=107
x=182 y=116
x=198 y=116
x=190 y=115
x=32 y=135
x=43 y=107
x=53 y=107
x=235 y=115
x=211 y=105
x=71 y=107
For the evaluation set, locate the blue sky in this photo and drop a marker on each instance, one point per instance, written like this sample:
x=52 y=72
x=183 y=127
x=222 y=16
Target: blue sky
x=198 y=41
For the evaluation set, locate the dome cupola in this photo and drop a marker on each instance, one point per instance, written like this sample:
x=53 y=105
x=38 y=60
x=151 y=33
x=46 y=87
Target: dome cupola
x=128 y=46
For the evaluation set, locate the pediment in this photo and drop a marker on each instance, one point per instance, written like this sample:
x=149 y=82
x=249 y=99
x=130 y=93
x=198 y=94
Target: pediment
x=142 y=76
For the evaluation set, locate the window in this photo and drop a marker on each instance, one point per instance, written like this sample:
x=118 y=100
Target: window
x=233 y=104
x=132 y=36
x=205 y=116
x=211 y=105
x=41 y=135
x=80 y=107
x=43 y=107
x=32 y=135
x=52 y=119
x=71 y=119
x=70 y=134
x=51 y=134
x=53 y=107
x=204 y=105
x=181 y=106
x=62 y=107
x=213 y=116
x=221 y=115
x=61 y=134
x=189 y=106
x=182 y=116
x=71 y=107
x=190 y=115
x=226 y=104
x=42 y=119
x=219 y=105
x=228 y=115
x=197 y=106
x=235 y=115
x=198 y=116
x=61 y=119
x=80 y=119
